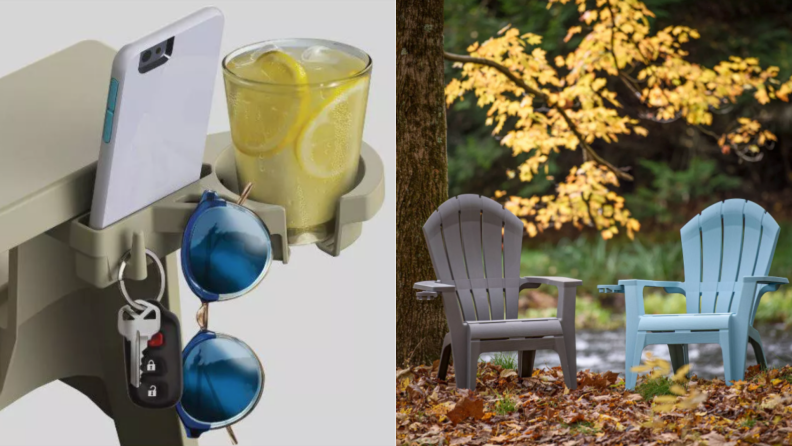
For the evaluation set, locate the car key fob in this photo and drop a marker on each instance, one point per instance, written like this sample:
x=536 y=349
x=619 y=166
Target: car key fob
x=161 y=379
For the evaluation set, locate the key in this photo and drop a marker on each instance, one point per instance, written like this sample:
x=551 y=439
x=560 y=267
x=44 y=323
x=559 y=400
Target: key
x=161 y=387
x=138 y=328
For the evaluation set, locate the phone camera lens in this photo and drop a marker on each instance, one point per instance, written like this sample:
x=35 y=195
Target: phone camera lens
x=159 y=50
x=146 y=56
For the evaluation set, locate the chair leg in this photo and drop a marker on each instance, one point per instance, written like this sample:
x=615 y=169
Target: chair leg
x=459 y=347
x=445 y=356
x=738 y=338
x=679 y=356
x=568 y=363
x=474 y=350
x=633 y=359
x=756 y=343
x=726 y=349
x=525 y=363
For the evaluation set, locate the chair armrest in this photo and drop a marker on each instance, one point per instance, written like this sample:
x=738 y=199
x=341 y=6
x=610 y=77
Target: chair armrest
x=746 y=302
x=610 y=289
x=669 y=286
x=434 y=285
x=766 y=279
x=566 y=296
x=525 y=282
x=770 y=283
x=430 y=289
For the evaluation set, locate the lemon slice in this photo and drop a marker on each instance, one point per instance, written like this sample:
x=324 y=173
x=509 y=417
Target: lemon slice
x=324 y=148
x=265 y=120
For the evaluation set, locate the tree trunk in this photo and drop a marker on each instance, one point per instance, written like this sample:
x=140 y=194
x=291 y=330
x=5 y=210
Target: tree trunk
x=421 y=172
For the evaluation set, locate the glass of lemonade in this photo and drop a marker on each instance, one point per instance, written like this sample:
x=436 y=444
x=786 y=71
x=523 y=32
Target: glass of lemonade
x=296 y=108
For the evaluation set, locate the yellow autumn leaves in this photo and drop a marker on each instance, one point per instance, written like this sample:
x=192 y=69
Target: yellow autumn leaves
x=571 y=104
x=659 y=369
x=582 y=199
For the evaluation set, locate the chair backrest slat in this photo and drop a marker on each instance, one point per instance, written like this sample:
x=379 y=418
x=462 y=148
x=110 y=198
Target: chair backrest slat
x=728 y=241
x=492 y=242
x=691 y=256
x=512 y=246
x=712 y=242
x=449 y=214
x=751 y=237
x=477 y=242
x=764 y=258
x=767 y=246
x=470 y=217
x=433 y=232
x=732 y=212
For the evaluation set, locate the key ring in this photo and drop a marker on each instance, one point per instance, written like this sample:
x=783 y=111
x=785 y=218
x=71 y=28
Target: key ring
x=122 y=287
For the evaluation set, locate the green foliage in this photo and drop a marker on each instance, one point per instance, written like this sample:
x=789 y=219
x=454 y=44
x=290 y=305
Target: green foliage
x=672 y=188
x=776 y=307
x=504 y=360
x=654 y=387
x=589 y=313
x=749 y=423
x=659 y=303
x=505 y=405
x=596 y=261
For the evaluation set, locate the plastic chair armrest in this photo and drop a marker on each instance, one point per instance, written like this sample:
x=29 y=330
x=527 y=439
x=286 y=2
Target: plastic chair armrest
x=766 y=280
x=430 y=289
x=554 y=281
x=610 y=289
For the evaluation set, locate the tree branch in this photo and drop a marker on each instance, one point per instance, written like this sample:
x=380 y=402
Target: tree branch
x=624 y=78
x=533 y=91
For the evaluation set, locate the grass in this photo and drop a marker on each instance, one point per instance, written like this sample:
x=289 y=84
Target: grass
x=581 y=427
x=654 y=387
x=505 y=405
x=504 y=360
x=749 y=423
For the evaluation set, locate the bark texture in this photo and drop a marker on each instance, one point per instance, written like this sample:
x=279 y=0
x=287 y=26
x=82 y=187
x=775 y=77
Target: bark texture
x=422 y=172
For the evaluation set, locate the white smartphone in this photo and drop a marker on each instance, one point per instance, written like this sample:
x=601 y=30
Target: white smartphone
x=157 y=116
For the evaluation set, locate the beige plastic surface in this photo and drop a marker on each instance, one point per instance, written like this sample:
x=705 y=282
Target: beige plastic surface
x=54 y=325
x=58 y=313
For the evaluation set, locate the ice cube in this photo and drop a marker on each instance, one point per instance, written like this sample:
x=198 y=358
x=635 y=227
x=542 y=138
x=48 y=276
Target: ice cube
x=251 y=57
x=319 y=54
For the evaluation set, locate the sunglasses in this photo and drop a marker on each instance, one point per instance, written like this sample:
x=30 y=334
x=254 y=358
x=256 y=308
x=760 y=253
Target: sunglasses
x=226 y=252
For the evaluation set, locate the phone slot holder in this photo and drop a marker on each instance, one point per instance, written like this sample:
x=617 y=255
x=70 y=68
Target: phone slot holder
x=159 y=227
x=58 y=310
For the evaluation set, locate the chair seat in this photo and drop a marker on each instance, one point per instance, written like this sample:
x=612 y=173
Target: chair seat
x=672 y=322
x=515 y=328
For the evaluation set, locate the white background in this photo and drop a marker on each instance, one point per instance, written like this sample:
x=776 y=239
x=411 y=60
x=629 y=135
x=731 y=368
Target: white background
x=323 y=327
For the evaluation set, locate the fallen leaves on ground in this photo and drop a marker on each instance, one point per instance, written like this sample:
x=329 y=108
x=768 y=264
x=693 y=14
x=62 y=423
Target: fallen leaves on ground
x=470 y=406
x=541 y=410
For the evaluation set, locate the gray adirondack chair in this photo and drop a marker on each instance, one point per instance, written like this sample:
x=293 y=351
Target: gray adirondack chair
x=475 y=248
x=727 y=251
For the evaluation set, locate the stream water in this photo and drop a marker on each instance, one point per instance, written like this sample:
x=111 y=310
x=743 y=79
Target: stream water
x=601 y=351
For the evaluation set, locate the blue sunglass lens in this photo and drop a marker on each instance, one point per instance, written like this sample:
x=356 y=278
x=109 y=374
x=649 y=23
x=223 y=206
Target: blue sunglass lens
x=228 y=250
x=222 y=380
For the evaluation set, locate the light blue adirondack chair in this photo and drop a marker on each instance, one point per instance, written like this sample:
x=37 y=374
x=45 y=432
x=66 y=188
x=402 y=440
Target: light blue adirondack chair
x=727 y=252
